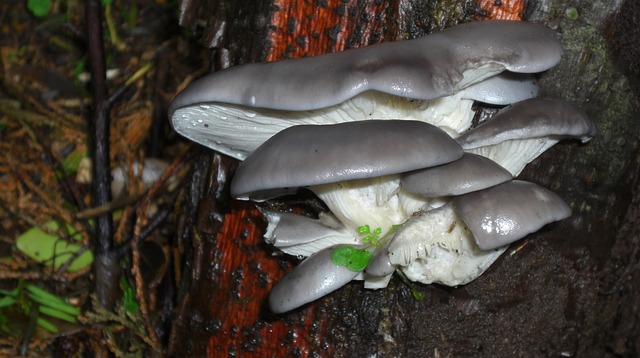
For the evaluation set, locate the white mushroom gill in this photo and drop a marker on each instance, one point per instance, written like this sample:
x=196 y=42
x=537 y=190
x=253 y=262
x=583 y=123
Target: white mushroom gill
x=378 y=202
x=372 y=202
x=514 y=155
x=238 y=130
x=432 y=247
x=301 y=236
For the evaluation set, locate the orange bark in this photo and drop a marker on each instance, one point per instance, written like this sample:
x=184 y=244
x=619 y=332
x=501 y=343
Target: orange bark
x=501 y=9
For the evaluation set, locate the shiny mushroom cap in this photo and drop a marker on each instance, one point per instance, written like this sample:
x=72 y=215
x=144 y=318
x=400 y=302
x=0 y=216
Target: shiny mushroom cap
x=521 y=132
x=235 y=110
x=455 y=243
x=508 y=212
x=429 y=67
x=503 y=89
x=469 y=173
x=303 y=156
x=315 y=277
x=532 y=118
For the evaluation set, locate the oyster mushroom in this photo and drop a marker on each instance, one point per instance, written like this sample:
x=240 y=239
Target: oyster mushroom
x=521 y=132
x=469 y=173
x=451 y=245
x=299 y=235
x=235 y=110
x=456 y=243
x=353 y=167
x=313 y=278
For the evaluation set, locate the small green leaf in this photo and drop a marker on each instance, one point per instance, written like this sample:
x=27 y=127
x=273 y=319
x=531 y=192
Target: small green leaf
x=79 y=67
x=354 y=259
x=10 y=297
x=39 y=8
x=48 y=299
x=57 y=314
x=129 y=297
x=71 y=162
x=47 y=325
x=372 y=238
x=49 y=249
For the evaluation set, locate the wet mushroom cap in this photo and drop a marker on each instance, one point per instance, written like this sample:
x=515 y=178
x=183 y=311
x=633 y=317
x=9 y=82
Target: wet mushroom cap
x=503 y=89
x=470 y=173
x=508 y=212
x=313 y=155
x=426 y=68
x=315 y=277
x=532 y=118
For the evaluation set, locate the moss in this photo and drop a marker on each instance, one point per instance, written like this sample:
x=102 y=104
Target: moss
x=424 y=17
x=587 y=76
x=572 y=13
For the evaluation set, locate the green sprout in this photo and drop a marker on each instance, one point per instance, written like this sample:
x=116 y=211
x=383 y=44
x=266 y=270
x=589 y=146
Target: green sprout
x=357 y=259
x=27 y=297
x=130 y=303
x=39 y=8
x=417 y=295
x=372 y=238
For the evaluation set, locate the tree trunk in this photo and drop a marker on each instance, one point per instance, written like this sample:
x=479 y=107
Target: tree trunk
x=571 y=289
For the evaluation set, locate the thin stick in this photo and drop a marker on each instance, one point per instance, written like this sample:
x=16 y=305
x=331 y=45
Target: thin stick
x=106 y=264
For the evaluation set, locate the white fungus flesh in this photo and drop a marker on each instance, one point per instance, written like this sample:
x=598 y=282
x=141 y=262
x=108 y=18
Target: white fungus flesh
x=437 y=247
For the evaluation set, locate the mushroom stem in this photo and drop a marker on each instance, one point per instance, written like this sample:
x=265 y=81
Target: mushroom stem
x=436 y=246
x=374 y=202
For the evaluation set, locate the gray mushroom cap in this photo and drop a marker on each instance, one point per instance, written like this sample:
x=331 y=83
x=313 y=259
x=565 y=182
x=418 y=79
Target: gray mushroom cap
x=532 y=118
x=312 y=155
x=508 y=212
x=315 y=277
x=470 y=173
x=429 y=67
x=503 y=89
x=380 y=265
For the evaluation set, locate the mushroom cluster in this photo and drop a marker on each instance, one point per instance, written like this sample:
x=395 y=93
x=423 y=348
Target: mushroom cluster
x=382 y=135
